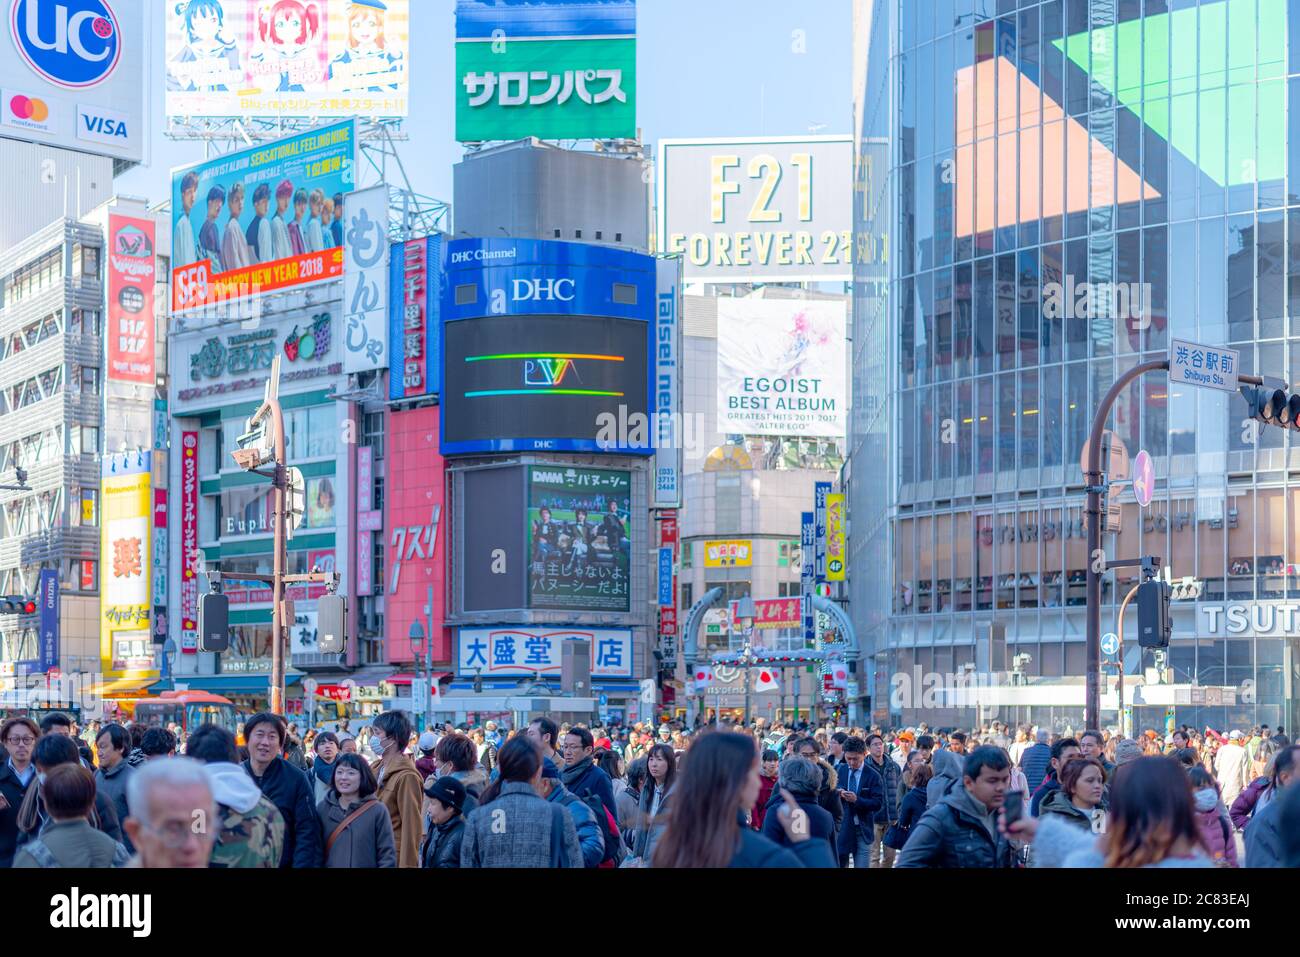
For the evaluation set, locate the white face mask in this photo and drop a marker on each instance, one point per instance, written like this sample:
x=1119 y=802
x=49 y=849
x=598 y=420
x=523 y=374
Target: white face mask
x=1206 y=799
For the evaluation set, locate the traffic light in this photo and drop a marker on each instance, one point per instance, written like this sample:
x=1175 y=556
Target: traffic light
x=17 y=605
x=331 y=620
x=214 y=622
x=1270 y=406
x=1155 y=624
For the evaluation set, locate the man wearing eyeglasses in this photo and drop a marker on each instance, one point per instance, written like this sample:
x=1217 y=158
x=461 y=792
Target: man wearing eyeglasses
x=18 y=736
x=173 y=818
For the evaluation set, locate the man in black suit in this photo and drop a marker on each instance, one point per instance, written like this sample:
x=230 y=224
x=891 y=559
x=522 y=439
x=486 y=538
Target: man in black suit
x=863 y=794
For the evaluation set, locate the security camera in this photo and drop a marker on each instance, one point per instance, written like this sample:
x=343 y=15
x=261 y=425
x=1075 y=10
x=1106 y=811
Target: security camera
x=248 y=459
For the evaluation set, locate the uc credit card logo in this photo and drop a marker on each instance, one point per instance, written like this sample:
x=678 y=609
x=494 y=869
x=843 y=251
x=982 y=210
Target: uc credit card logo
x=70 y=43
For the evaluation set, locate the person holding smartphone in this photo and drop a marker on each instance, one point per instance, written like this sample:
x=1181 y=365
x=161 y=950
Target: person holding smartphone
x=863 y=794
x=962 y=829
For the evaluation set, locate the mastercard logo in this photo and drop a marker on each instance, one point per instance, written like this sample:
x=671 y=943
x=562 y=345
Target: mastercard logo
x=29 y=108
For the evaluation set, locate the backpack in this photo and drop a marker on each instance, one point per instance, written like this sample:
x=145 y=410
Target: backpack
x=614 y=849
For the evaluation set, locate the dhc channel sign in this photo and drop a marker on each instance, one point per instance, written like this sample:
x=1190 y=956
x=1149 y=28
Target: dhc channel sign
x=71 y=43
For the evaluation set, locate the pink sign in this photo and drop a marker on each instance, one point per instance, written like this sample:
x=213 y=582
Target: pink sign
x=189 y=542
x=414 y=548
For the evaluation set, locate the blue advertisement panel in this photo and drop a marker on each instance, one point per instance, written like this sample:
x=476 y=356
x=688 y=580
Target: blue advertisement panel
x=49 y=612
x=807 y=542
x=665 y=577
x=547 y=346
x=820 y=491
x=480 y=19
x=263 y=219
x=414 y=318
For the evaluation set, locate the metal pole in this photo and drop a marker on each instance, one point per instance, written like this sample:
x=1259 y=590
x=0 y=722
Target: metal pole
x=428 y=664
x=278 y=633
x=796 y=694
x=1092 y=513
x=748 y=674
x=1120 y=635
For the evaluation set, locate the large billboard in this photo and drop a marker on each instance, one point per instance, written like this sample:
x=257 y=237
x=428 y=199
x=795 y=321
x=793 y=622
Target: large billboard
x=281 y=58
x=131 y=324
x=415 y=318
x=758 y=210
x=189 y=610
x=781 y=367
x=516 y=651
x=490 y=542
x=415 y=558
x=578 y=538
x=74 y=77
x=262 y=219
x=560 y=70
x=547 y=346
x=126 y=647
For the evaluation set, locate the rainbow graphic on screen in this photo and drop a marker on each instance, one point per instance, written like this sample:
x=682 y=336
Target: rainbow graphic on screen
x=546 y=373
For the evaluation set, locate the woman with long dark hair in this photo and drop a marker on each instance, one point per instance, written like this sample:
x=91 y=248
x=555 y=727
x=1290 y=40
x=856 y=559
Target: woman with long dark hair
x=514 y=826
x=1152 y=823
x=656 y=793
x=719 y=784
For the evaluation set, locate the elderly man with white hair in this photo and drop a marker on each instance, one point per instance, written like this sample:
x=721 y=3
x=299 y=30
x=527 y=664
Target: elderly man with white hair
x=1037 y=759
x=173 y=819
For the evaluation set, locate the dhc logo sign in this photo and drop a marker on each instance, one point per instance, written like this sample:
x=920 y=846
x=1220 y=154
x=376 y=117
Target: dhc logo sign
x=543 y=290
x=71 y=43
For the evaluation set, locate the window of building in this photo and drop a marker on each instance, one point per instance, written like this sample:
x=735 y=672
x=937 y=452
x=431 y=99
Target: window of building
x=90 y=380
x=372 y=433
x=83 y=439
x=688 y=594
x=85 y=574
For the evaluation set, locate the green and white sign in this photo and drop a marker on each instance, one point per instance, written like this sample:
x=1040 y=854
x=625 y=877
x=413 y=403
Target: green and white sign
x=549 y=88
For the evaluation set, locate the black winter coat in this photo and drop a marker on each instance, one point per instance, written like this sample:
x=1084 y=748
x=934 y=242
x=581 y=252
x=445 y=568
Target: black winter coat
x=820 y=823
x=950 y=835
x=892 y=775
x=442 y=844
x=293 y=794
x=13 y=792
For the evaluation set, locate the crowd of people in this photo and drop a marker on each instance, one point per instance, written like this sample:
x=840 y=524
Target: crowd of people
x=560 y=795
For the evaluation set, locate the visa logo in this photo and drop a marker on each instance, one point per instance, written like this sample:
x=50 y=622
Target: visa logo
x=103 y=126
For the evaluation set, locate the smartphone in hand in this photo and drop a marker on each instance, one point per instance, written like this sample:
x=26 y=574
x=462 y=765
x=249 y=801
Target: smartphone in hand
x=1013 y=806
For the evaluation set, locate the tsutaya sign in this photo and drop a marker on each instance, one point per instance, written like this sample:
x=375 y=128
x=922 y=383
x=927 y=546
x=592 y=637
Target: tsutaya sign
x=1254 y=618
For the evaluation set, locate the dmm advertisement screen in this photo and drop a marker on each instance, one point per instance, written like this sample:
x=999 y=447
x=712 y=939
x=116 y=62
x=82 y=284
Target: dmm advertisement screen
x=524 y=383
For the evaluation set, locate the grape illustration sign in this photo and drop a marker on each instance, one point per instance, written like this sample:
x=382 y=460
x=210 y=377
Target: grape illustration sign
x=579 y=539
x=781 y=368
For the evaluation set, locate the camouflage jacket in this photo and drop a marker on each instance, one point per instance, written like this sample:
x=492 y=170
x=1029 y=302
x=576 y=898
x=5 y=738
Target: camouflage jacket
x=255 y=839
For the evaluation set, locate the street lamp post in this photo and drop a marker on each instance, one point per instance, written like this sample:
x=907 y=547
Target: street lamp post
x=418 y=638
x=746 y=612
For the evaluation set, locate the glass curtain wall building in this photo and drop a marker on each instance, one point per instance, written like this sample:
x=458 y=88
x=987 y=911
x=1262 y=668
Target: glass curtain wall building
x=1048 y=193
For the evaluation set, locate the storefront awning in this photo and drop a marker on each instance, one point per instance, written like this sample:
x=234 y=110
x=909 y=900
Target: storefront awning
x=403 y=680
x=121 y=687
x=256 y=684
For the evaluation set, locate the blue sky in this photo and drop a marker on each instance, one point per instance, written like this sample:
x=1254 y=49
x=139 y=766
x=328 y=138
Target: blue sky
x=705 y=68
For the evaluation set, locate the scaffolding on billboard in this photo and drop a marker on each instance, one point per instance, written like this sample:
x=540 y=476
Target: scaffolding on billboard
x=411 y=214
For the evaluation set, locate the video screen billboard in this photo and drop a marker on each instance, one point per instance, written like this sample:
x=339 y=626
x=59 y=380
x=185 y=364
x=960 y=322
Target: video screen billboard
x=781 y=367
x=559 y=70
x=769 y=209
x=578 y=538
x=75 y=76
x=262 y=219
x=542 y=382
x=273 y=58
x=490 y=539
